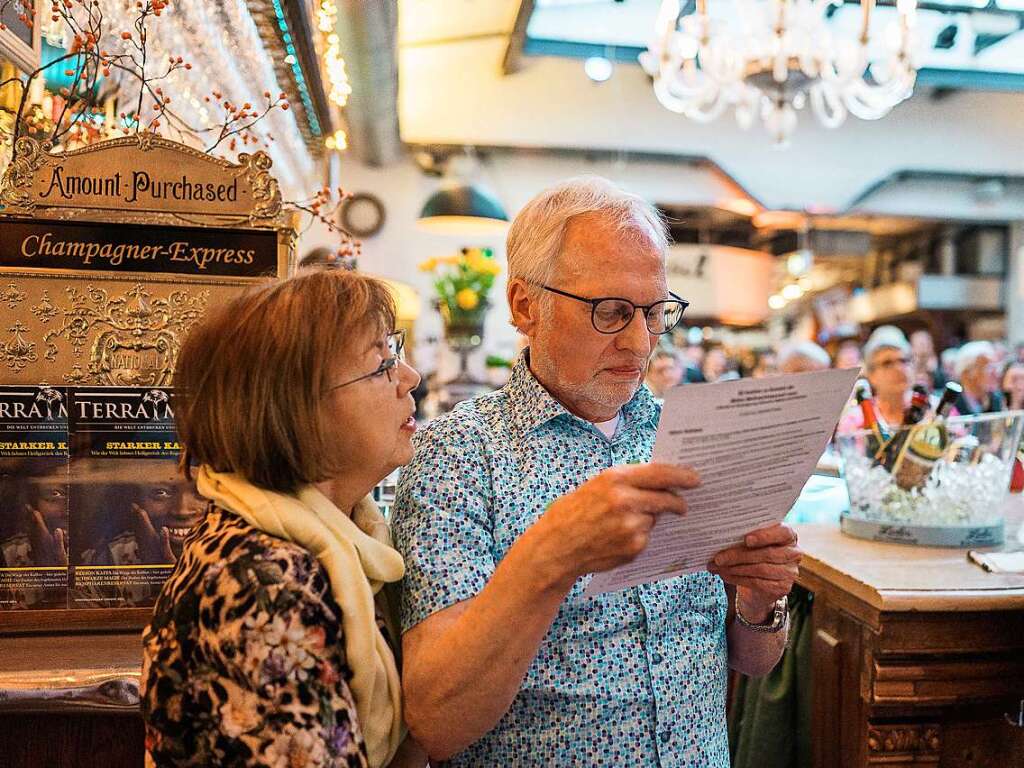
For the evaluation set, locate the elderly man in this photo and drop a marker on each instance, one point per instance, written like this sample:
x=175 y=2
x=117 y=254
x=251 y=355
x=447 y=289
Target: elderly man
x=515 y=497
x=803 y=357
x=663 y=372
x=978 y=374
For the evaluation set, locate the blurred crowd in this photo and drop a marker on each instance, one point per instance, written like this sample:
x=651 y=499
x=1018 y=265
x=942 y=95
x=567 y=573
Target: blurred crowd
x=990 y=372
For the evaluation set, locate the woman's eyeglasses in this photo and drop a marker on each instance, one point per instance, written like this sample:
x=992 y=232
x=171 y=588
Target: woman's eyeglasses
x=611 y=314
x=396 y=346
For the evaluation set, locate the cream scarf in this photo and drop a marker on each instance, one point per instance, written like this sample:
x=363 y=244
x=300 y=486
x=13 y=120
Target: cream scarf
x=357 y=554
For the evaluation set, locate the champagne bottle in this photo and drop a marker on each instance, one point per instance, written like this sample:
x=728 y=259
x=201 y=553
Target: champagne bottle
x=925 y=443
x=870 y=418
x=919 y=406
x=950 y=395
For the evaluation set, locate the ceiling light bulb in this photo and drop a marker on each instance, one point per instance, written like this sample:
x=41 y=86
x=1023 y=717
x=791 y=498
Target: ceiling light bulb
x=598 y=68
x=792 y=292
x=776 y=302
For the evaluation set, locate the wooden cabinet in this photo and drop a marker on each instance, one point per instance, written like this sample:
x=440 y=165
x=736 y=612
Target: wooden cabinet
x=917 y=656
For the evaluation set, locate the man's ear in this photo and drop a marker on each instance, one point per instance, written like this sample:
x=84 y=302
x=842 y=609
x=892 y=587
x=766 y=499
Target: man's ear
x=524 y=306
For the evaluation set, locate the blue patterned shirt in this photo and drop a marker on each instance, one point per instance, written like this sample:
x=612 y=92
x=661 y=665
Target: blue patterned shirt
x=633 y=678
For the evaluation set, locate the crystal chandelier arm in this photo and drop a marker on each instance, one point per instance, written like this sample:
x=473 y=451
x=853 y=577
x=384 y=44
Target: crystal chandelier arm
x=866 y=8
x=827 y=106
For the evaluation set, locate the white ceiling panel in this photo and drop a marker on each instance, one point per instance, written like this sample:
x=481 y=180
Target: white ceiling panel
x=424 y=21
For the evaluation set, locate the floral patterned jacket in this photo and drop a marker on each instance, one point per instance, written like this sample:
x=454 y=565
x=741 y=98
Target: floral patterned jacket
x=244 y=661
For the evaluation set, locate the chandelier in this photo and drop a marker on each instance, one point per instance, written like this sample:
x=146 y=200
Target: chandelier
x=770 y=58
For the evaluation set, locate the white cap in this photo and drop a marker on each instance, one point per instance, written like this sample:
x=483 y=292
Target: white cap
x=885 y=337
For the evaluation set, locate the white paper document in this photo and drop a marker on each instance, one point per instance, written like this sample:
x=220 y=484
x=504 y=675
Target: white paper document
x=754 y=442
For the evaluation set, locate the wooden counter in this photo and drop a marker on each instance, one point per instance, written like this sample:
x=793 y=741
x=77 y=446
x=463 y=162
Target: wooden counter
x=917 y=654
x=70 y=701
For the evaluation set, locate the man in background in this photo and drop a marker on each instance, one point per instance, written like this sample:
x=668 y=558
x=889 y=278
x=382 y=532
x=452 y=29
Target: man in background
x=978 y=373
x=803 y=357
x=663 y=372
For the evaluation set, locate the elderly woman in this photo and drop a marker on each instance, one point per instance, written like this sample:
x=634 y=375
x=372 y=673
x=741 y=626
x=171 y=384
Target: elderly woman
x=273 y=642
x=888 y=366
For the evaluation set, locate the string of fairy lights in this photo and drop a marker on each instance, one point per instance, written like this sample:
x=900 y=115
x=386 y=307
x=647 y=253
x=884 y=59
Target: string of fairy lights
x=223 y=44
x=334 y=66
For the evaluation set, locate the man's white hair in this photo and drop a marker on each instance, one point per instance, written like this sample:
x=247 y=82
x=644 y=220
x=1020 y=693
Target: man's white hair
x=536 y=236
x=969 y=353
x=807 y=350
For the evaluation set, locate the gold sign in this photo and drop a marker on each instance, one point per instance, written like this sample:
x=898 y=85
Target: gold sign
x=111 y=253
x=143 y=173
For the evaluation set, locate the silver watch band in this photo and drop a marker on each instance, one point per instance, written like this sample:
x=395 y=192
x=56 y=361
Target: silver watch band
x=778 y=619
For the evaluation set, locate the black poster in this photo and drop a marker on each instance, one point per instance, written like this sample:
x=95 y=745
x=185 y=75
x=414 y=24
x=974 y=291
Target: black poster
x=146 y=248
x=34 y=488
x=129 y=508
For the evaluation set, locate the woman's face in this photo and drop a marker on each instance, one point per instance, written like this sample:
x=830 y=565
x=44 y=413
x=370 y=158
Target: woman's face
x=1013 y=382
x=372 y=417
x=890 y=371
x=848 y=356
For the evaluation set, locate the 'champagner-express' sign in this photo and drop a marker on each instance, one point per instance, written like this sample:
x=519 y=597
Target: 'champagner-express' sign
x=138 y=248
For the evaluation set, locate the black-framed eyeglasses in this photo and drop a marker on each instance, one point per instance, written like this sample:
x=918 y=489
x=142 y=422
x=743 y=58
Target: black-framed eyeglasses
x=396 y=347
x=610 y=314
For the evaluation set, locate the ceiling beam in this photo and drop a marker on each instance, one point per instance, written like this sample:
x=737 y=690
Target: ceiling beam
x=443 y=151
x=513 y=58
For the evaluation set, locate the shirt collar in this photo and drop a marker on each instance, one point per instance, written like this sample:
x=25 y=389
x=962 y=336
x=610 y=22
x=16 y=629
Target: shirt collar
x=532 y=405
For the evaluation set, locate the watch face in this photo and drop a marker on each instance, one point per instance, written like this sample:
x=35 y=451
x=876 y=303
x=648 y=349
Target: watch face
x=362 y=215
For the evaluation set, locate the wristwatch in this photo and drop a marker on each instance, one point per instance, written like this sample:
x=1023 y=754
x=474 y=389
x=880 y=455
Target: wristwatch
x=778 y=619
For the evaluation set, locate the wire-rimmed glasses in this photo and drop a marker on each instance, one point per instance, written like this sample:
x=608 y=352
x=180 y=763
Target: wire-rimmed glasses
x=396 y=345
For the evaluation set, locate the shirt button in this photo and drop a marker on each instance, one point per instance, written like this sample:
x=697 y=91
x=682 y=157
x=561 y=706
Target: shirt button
x=665 y=736
x=657 y=658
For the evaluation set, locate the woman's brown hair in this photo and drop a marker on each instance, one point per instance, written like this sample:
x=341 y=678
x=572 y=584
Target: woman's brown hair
x=251 y=376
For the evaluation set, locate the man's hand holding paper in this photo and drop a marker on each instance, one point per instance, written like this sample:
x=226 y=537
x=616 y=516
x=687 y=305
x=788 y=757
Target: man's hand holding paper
x=762 y=568
x=607 y=521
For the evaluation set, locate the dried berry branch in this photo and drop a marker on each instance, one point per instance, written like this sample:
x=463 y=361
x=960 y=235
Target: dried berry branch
x=324 y=207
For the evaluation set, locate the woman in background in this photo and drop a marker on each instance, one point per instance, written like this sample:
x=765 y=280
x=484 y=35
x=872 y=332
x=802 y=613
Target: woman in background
x=1012 y=386
x=888 y=367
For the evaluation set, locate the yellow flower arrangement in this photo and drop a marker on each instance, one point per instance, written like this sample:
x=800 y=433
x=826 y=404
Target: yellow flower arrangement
x=462 y=281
